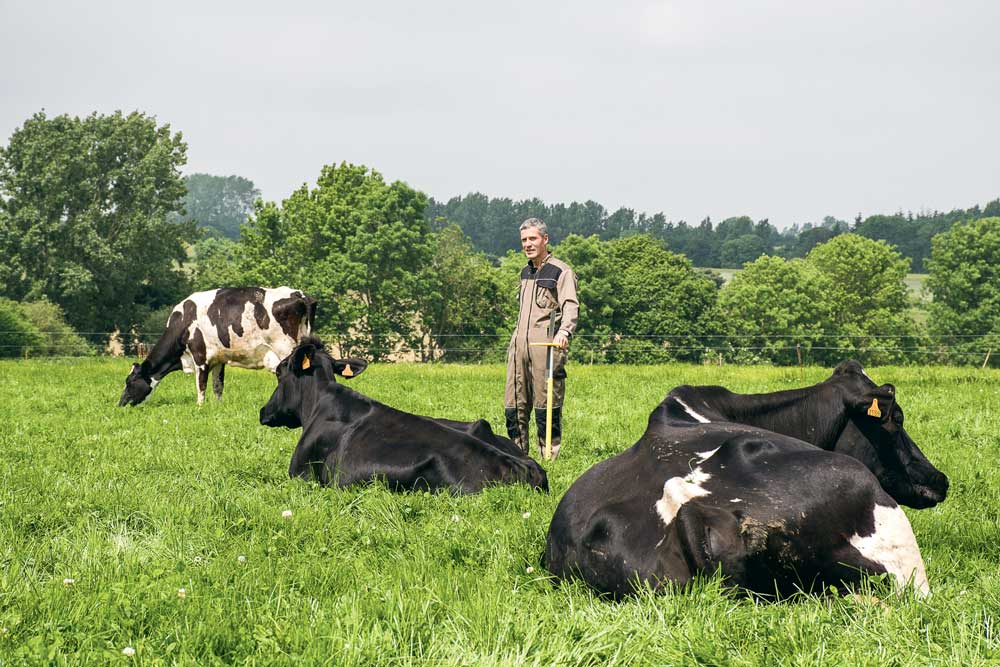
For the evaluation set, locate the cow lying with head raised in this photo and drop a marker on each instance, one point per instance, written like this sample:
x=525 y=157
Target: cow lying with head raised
x=248 y=327
x=712 y=486
x=348 y=438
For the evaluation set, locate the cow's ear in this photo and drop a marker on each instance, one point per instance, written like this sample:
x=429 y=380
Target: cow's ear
x=302 y=358
x=877 y=403
x=348 y=368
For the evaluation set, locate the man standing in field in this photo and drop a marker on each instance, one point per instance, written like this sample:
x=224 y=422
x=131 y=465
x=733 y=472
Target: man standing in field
x=547 y=293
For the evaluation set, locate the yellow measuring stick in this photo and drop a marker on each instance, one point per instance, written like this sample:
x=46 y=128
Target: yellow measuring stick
x=548 y=397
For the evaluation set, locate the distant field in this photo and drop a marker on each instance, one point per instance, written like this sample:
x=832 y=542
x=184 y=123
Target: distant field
x=135 y=504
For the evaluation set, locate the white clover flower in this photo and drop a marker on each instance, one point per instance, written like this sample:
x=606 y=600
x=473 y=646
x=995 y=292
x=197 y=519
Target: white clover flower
x=526 y=515
x=129 y=651
x=181 y=593
x=529 y=569
x=286 y=515
x=455 y=518
x=197 y=559
x=68 y=583
x=241 y=559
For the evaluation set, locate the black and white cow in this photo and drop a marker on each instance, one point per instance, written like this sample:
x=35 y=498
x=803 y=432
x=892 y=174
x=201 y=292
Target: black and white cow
x=712 y=486
x=348 y=438
x=248 y=327
x=847 y=413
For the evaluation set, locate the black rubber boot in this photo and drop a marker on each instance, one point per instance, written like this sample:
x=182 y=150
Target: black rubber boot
x=517 y=428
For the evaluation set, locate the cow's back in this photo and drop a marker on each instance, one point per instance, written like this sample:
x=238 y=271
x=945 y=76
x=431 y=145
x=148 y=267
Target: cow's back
x=373 y=441
x=248 y=327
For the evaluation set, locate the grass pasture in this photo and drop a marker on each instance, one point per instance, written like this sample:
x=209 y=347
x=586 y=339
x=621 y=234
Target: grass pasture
x=135 y=504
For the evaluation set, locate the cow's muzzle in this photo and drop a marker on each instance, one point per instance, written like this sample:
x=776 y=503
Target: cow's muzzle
x=929 y=488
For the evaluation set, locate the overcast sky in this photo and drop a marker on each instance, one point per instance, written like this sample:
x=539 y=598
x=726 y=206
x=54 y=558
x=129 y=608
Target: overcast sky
x=789 y=110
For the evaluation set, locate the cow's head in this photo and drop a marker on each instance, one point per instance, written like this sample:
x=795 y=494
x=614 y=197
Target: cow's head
x=301 y=377
x=875 y=435
x=138 y=385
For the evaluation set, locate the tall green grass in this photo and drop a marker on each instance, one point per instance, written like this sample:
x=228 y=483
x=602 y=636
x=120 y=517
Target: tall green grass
x=135 y=504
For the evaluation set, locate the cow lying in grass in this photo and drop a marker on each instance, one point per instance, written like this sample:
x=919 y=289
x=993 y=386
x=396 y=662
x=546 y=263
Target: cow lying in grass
x=713 y=486
x=349 y=438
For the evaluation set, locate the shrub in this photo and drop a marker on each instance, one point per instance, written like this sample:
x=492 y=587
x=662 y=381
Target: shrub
x=18 y=336
x=57 y=337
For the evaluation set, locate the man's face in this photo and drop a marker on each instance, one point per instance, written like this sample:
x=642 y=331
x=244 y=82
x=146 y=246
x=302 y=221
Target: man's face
x=533 y=243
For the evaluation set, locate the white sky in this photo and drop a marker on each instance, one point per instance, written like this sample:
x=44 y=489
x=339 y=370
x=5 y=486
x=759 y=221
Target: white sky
x=790 y=110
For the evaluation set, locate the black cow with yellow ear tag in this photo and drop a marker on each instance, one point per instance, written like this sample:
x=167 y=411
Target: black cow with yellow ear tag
x=348 y=438
x=781 y=492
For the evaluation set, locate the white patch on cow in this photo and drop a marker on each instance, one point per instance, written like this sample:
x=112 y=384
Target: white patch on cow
x=679 y=490
x=690 y=411
x=704 y=456
x=894 y=547
x=152 y=384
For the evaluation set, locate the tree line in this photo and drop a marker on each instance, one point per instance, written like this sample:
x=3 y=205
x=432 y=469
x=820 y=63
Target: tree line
x=729 y=243
x=99 y=230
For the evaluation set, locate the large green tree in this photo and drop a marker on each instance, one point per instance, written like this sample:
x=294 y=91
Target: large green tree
x=84 y=206
x=866 y=294
x=965 y=282
x=465 y=311
x=774 y=310
x=738 y=250
x=639 y=302
x=356 y=243
x=219 y=204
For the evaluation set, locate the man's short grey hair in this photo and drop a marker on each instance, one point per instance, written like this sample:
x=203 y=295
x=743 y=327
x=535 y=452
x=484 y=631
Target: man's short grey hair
x=536 y=223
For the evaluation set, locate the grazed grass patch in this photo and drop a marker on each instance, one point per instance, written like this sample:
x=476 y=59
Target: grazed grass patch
x=135 y=504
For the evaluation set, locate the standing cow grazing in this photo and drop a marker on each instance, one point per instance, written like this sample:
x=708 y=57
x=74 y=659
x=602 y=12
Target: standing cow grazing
x=248 y=327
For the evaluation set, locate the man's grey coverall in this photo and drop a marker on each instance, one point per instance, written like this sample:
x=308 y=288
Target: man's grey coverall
x=546 y=293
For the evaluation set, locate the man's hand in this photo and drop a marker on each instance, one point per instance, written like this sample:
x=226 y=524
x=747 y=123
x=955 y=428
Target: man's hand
x=561 y=339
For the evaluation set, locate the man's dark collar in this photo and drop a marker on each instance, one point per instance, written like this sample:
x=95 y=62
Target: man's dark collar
x=531 y=265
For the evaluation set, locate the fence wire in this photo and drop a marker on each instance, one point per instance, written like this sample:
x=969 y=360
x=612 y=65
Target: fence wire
x=587 y=347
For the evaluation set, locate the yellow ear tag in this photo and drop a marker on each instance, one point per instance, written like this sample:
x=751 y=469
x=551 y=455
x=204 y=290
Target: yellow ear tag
x=873 y=411
x=305 y=362
x=347 y=371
